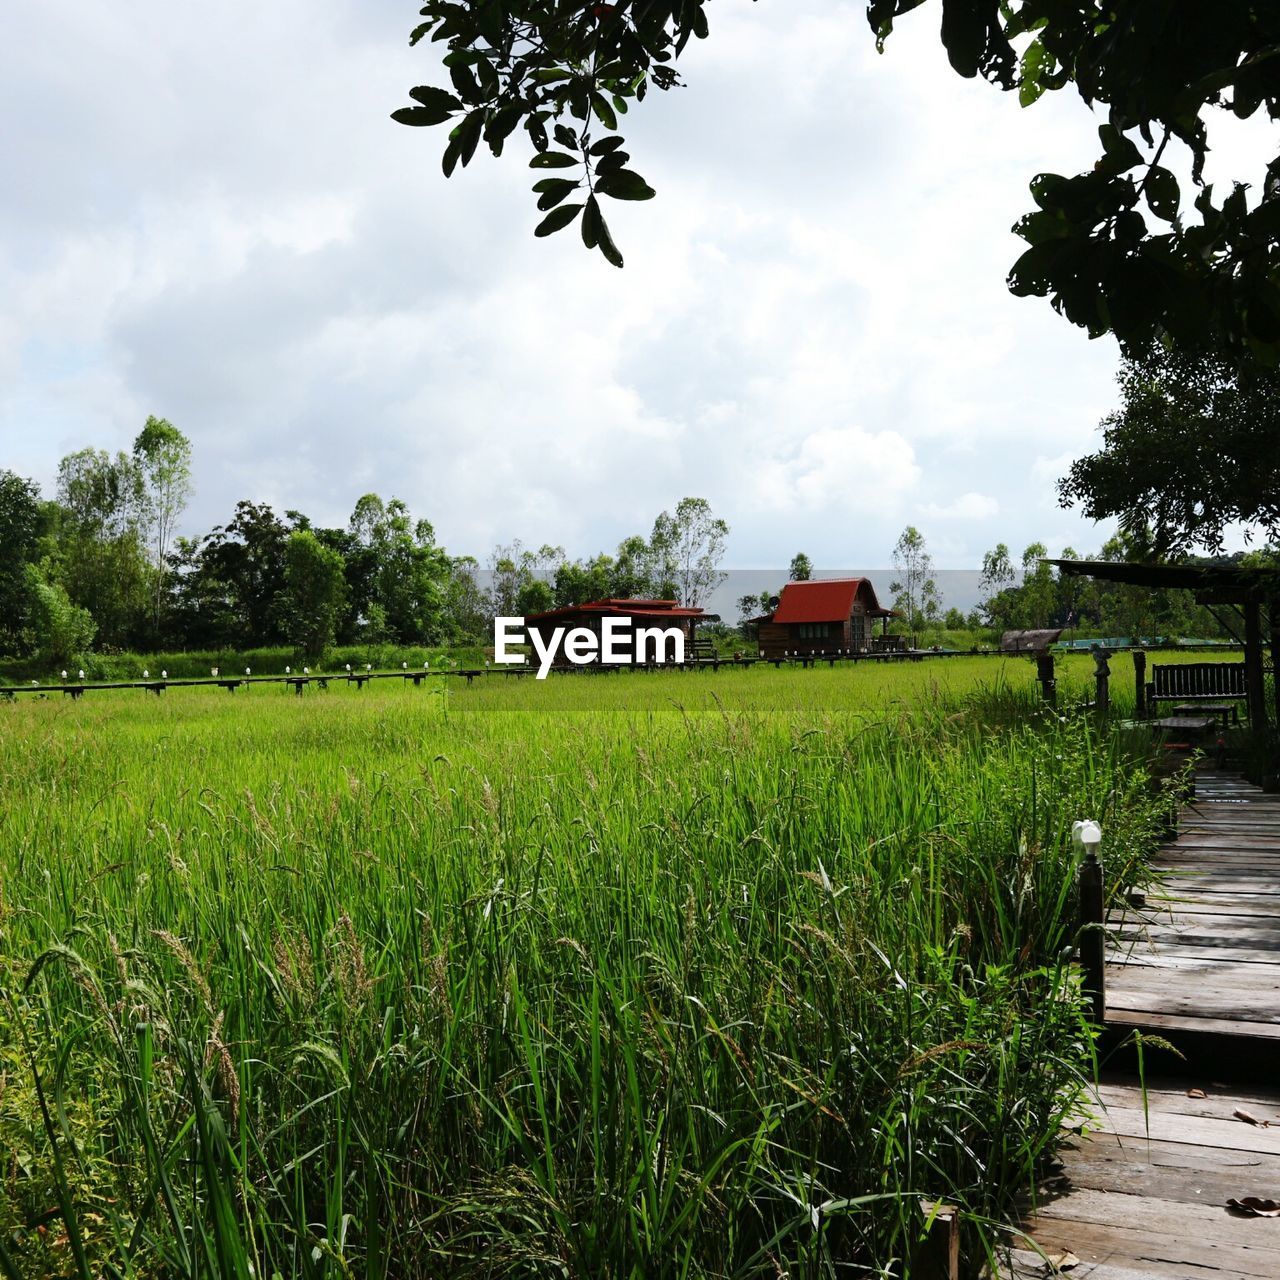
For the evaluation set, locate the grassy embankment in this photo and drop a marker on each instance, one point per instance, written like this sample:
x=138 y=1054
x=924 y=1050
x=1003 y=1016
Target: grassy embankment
x=674 y=974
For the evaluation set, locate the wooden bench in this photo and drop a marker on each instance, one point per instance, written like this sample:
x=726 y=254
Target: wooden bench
x=1193 y=682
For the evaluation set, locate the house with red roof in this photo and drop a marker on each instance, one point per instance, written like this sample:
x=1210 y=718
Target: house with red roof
x=825 y=615
x=662 y=614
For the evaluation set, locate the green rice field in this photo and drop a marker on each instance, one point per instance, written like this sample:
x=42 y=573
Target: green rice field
x=636 y=975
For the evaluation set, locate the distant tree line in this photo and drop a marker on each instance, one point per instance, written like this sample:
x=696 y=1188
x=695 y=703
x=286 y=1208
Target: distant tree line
x=101 y=566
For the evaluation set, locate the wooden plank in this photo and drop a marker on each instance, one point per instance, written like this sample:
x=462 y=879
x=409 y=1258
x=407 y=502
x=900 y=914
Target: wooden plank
x=1208 y=1224
x=1166 y=1246
x=1163 y=1157
x=1192 y=1005
x=1236 y=925
x=1226 y=1134
x=1172 y=1097
x=1153 y=970
x=1252 y=905
x=1160 y=1022
x=1023 y=1264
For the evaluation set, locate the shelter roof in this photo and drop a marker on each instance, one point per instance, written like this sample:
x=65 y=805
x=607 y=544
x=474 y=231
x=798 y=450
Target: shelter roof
x=620 y=607
x=1223 y=583
x=826 y=600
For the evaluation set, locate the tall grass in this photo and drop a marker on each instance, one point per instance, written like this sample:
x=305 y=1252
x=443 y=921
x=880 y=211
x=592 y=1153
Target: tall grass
x=656 y=975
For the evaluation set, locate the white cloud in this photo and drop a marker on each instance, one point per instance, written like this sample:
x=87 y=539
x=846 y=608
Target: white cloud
x=217 y=222
x=968 y=506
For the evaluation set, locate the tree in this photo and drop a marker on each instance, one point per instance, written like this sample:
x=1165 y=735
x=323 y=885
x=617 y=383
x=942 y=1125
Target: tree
x=162 y=456
x=63 y=630
x=1038 y=588
x=565 y=73
x=97 y=553
x=687 y=547
x=399 y=570
x=997 y=569
x=801 y=568
x=915 y=593
x=466 y=610
x=20 y=524
x=1194 y=447
x=315 y=593
x=242 y=576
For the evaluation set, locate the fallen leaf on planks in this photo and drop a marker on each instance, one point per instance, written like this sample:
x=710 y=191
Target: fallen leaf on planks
x=1060 y=1262
x=1241 y=1114
x=1196 y=1093
x=1255 y=1207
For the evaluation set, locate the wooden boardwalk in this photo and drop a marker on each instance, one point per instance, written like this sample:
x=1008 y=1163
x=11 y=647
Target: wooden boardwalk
x=1144 y=1193
x=1202 y=959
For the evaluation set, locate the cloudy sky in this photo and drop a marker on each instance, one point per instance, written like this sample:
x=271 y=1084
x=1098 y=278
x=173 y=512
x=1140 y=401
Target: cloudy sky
x=211 y=218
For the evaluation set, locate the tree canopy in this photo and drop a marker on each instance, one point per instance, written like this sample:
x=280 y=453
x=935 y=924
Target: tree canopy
x=1194 y=448
x=1119 y=248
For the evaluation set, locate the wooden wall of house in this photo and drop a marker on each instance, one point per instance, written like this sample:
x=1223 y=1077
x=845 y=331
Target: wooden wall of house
x=779 y=639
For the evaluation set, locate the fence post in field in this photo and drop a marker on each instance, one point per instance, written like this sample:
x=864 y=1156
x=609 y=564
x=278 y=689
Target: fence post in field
x=1139 y=684
x=937 y=1256
x=1102 y=680
x=1044 y=673
x=1093 y=939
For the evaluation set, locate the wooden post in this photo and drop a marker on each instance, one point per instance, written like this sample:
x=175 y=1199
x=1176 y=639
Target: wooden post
x=1272 y=607
x=1092 y=936
x=1044 y=673
x=1254 y=694
x=1139 y=684
x=937 y=1256
x=1102 y=680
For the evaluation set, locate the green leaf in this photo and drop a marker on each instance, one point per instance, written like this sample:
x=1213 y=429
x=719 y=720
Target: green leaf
x=464 y=81
x=1162 y=193
x=605 y=242
x=418 y=116
x=591 y=223
x=435 y=99
x=469 y=134
x=605 y=145
x=1122 y=153
x=1035 y=62
x=449 y=161
x=553 y=160
x=557 y=219
x=624 y=184
x=612 y=162
x=553 y=195
x=604 y=112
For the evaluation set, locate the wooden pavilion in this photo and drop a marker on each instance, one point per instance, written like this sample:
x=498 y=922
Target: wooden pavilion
x=662 y=614
x=1253 y=591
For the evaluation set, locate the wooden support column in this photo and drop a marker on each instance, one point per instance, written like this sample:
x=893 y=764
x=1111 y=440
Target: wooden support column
x=1254 y=691
x=1139 y=683
x=1274 y=621
x=1102 y=680
x=1093 y=938
x=1044 y=673
x=937 y=1256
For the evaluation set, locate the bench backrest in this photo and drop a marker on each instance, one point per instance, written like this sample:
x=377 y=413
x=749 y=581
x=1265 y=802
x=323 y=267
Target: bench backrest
x=1199 y=680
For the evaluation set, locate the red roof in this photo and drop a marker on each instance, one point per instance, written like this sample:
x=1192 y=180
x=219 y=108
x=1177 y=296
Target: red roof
x=618 y=607
x=826 y=600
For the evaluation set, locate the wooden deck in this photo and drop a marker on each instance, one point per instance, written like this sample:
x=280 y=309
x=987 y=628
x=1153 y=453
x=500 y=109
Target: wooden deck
x=1143 y=1193
x=1202 y=959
